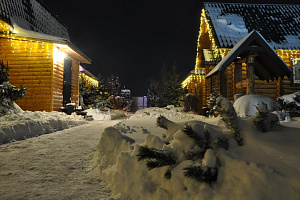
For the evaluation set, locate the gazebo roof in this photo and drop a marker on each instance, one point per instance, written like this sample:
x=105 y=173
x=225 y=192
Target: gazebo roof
x=268 y=65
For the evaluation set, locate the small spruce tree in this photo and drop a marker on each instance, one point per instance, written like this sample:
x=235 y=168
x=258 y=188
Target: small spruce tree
x=229 y=116
x=8 y=93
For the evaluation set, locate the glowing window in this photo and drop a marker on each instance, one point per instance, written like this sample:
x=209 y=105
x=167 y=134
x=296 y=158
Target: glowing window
x=296 y=70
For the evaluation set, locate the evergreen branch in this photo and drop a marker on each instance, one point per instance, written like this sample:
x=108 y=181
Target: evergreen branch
x=155 y=158
x=201 y=173
x=203 y=143
x=160 y=122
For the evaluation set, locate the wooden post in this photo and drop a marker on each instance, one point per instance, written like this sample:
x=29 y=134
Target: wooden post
x=250 y=75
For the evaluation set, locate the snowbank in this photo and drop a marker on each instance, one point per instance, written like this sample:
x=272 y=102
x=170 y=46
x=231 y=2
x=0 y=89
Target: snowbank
x=29 y=124
x=168 y=112
x=246 y=105
x=266 y=167
x=104 y=115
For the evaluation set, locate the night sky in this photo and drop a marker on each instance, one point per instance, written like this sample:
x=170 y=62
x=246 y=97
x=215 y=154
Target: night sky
x=135 y=38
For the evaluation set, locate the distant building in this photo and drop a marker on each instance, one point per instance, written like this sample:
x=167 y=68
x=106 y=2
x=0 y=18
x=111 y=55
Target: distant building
x=37 y=47
x=88 y=77
x=245 y=49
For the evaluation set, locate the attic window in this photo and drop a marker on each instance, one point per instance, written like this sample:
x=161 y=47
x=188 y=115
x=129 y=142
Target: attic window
x=296 y=70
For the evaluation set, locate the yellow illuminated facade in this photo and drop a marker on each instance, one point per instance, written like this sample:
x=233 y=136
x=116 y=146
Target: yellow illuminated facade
x=39 y=65
x=196 y=82
x=90 y=81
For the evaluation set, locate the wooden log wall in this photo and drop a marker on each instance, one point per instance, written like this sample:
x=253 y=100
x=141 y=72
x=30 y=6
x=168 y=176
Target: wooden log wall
x=31 y=65
x=57 y=87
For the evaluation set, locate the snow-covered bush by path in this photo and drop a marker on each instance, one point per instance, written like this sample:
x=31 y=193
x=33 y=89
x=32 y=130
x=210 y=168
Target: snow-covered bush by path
x=246 y=105
x=229 y=116
x=190 y=103
x=264 y=120
x=25 y=124
x=290 y=103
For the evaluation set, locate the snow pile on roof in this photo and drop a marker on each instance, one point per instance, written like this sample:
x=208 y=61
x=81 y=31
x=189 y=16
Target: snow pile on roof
x=278 y=23
x=104 y=115
x=266 y=167
x=30 y=124
x=33 y=16
x=246 y=105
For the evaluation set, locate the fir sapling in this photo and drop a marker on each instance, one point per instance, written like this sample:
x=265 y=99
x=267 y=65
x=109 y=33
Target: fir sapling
x=202 y=142
x=8 y=92
x=229 y=116
x=155 y=158
x=201 y=173
x=207 y=171
x=163 y=122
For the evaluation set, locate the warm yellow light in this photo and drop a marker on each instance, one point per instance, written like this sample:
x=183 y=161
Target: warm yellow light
x=58 y=55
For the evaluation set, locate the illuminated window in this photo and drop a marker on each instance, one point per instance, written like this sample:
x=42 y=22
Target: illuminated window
x=296 y=70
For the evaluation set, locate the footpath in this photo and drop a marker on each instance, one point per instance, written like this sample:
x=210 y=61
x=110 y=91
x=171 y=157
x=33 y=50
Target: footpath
x=53 y=166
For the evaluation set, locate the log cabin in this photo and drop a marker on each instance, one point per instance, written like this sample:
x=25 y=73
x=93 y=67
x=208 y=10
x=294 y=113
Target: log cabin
x=37 y=47
x=246 y=49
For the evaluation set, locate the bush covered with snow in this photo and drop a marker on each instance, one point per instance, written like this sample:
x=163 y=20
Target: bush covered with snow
x=264 y=120
x=246 y=105
x=27 y=124
x=290 y=103
x=229 y=116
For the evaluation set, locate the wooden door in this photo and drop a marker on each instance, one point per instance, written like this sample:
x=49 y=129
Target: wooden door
x=67 y=81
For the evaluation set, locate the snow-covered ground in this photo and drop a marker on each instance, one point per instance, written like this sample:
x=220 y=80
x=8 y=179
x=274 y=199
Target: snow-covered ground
x=25 y=124
x=62 y=165
x=53 y=166
x=267 y=166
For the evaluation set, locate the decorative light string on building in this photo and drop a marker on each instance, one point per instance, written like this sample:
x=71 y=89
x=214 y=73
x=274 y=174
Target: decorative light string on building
x=29 y=47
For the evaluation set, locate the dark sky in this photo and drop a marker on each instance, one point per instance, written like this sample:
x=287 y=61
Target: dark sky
x=135 y=38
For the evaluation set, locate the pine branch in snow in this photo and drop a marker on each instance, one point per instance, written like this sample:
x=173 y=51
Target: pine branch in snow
x=155 y=158
x=203 y=143
x=201 y=173
x=227 y=112
x=163 y=122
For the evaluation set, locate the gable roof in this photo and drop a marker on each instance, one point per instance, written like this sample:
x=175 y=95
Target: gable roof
x=277 y=23
x=32 y=15
x=33 y=19
x=268 y=65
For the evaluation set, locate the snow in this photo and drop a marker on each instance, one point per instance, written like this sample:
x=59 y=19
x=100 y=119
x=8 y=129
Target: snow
x=104 y=115
x=266 y=167
x=290 y=98
x=62 y=164
x=246 y=105
x=23 y=124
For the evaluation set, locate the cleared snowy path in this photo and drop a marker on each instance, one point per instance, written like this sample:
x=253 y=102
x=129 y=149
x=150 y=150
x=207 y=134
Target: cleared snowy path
x=53 y=166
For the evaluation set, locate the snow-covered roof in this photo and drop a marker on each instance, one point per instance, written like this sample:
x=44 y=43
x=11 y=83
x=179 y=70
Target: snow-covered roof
x=266 y=67
x=33 y=19
x=83 y=70
x=278 y=24
x=32 y=15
